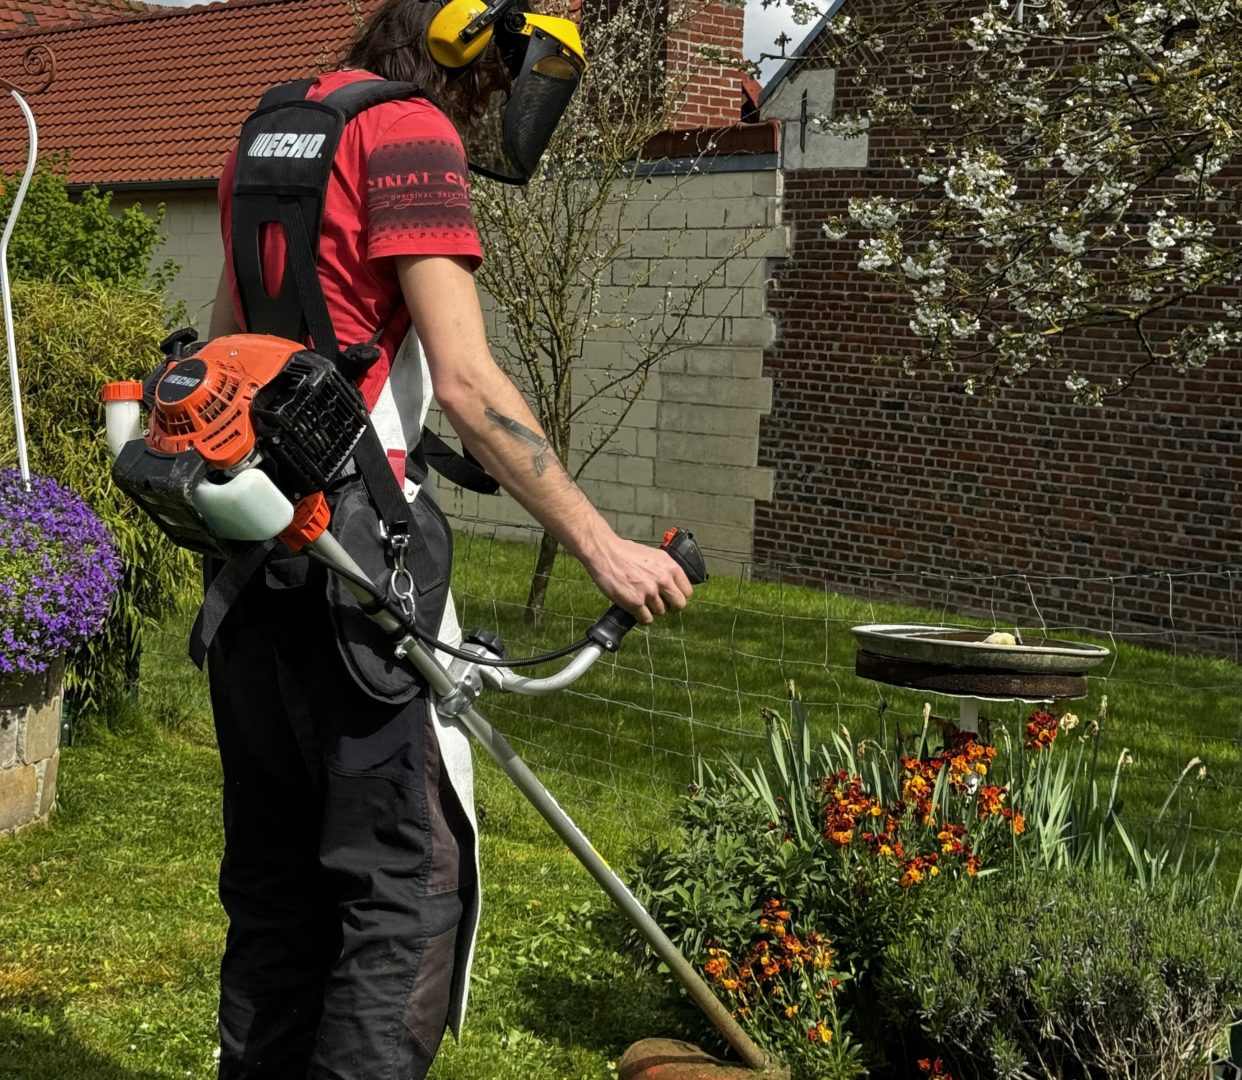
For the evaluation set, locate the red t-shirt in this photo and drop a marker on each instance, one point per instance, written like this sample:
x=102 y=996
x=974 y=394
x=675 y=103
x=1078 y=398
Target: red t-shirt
x=399 y=186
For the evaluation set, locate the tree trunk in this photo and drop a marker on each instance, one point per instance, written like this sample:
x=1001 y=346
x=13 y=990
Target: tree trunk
x=548 y=548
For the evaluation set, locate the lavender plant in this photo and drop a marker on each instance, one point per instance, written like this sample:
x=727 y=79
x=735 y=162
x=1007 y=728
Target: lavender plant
x=59 y=571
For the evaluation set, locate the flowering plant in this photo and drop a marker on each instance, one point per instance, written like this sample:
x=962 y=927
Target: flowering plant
x=866 y=844
x=59 y=570
x=784 y=988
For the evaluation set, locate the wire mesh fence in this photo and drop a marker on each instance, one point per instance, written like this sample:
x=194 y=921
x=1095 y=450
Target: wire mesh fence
x=623 y=741
x=621 y=745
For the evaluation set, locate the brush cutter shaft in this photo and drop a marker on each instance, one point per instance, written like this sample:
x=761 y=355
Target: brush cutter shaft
x=447 y=688
x=573 y=837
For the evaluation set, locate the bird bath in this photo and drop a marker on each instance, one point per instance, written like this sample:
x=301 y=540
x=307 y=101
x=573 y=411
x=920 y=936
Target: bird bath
x=974 y=665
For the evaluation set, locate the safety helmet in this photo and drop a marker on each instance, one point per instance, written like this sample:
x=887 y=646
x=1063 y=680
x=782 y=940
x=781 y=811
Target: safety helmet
x=543 y=55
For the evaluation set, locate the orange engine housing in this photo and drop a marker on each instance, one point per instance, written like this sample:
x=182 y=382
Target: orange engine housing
x=202 y=403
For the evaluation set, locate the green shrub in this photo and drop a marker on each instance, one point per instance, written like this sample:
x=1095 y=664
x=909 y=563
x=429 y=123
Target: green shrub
x=71 y=339
x=59 y=238
x=1078 y=975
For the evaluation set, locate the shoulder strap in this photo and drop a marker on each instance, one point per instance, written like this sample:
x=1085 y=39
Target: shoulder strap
x=284 y=162
x=356 y=97
x=462 y=469
x=286 y=92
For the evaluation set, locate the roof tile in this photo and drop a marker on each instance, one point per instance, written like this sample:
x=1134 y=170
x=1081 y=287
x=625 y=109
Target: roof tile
x=161 y=95
x=23 y=14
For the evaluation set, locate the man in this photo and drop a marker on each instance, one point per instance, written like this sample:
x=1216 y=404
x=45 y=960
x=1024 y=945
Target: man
x=349 y=865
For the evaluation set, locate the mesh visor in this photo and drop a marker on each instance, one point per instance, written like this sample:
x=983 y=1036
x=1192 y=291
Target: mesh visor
x=508 y=142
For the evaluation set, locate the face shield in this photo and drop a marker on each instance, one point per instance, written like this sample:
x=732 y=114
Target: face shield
x=543 y=56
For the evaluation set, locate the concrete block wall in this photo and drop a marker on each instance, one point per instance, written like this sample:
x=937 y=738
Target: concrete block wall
x=686 y=453
x=192 y=223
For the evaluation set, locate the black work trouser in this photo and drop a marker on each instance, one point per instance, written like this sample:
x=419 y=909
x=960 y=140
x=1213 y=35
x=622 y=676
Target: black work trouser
x=347 y=856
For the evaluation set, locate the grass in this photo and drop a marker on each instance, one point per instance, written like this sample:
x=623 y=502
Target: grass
x=110 y=931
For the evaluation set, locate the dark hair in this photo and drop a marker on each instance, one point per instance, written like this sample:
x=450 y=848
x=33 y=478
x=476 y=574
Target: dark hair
x=393 y=45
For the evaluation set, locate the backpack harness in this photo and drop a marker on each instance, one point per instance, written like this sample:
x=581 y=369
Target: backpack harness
x=283 y=165
x=284 y=162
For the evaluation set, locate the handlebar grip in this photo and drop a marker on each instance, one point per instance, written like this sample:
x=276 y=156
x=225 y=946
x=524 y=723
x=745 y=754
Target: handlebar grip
x=616 y=622
x=682 y=548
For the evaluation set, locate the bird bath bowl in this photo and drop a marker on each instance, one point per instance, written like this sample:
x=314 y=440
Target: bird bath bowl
x=963 y=663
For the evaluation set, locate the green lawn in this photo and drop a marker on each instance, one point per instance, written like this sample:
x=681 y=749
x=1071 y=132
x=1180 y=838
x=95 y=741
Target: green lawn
x=109 y=928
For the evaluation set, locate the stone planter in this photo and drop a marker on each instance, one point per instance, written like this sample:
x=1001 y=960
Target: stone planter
x=30 y=711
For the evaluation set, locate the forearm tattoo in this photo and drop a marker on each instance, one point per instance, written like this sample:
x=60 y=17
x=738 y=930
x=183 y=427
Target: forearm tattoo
x=543 y=449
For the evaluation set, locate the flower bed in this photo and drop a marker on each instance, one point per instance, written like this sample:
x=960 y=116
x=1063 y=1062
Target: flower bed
x=887 y=855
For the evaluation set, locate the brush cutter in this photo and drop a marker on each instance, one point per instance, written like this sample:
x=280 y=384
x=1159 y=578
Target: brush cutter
x=243 y=435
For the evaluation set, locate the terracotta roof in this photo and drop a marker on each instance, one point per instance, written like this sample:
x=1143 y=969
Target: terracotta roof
x=160 y=97
x=18 y=15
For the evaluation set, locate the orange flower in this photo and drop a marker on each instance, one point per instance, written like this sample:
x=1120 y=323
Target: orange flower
x=935 y=1069
x=917 y=868
x=990 y=800
x=1019 y=824
x=1041 y=731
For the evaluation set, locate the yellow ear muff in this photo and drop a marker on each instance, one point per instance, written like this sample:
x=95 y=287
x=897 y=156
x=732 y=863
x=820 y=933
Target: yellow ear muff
x=444 y=40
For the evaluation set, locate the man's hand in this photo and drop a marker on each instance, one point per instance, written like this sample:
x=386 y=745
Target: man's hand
x=646 y=581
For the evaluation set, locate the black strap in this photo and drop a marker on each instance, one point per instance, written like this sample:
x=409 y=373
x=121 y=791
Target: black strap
x=282 y=95
x=306 y=277
x=358 y=96
x=390 y=503
x=463 y=470
x=220 y=595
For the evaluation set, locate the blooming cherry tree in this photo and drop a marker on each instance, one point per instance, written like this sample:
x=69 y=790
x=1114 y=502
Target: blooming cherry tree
x=1072 y=165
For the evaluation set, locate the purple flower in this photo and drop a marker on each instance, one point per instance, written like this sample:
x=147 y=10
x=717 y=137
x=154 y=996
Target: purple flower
x=59 y=571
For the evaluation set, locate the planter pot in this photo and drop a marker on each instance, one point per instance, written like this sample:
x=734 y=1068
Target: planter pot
x=30 y=713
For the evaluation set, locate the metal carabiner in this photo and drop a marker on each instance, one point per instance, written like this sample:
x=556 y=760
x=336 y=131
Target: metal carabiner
x=401 y=584
x=401 y=588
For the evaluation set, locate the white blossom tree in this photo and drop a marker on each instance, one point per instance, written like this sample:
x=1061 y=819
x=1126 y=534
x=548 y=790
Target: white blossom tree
x=560 y=264
x=1074 y=164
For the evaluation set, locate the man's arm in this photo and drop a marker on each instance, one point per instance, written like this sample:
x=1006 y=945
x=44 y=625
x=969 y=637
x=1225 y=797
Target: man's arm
x=493 y=420
x=223 y=318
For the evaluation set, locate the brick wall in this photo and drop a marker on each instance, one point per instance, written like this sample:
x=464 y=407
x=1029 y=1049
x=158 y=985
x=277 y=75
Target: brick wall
x=699 y=55
x=897 y=486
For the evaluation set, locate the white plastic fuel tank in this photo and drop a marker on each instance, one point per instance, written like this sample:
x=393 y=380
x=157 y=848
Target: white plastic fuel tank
x=247 y=507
